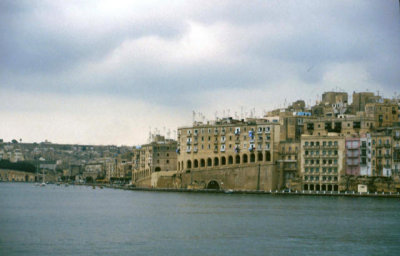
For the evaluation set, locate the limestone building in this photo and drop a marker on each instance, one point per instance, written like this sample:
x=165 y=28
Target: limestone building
x=157 y=156
x=322 y=161
x=228 y=154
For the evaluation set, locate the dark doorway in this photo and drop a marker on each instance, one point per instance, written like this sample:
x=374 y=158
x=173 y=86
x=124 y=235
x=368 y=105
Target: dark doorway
x=213 y=185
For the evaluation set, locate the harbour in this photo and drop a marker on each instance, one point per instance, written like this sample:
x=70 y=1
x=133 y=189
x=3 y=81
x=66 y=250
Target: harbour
x=81 y=220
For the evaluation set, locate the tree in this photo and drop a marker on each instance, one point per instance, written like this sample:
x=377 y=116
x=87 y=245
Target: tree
x=14 y=141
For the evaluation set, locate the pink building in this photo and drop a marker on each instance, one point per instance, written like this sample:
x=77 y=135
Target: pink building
x=353 y=156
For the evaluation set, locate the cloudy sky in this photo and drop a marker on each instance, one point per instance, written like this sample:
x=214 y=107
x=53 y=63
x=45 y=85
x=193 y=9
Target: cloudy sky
x=107 y=71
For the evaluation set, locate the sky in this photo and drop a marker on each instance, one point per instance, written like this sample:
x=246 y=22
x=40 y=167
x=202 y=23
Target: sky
x=110 y=71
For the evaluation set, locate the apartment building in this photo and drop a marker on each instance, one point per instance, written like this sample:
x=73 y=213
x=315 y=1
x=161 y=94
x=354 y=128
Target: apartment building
x=158 y=155
x=226 y=142
x=227 y=147
x=322 y=161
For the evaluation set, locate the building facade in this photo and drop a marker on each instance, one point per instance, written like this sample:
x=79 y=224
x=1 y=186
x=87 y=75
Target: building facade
x=322 y=161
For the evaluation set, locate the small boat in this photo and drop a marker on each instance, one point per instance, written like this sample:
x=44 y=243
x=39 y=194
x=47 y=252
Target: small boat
x=228 y=191
x=94 y=187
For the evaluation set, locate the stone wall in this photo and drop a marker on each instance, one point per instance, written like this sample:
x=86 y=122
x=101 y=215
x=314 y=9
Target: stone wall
x=13 y=175
x=143 y=183
x=250 y=177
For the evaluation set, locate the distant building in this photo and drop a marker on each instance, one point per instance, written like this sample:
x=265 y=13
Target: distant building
x=159 y=155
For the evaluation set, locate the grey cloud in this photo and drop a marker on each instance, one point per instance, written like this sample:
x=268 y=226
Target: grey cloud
x=323 y=33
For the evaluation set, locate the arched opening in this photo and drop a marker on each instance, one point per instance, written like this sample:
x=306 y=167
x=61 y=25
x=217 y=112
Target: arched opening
x=157 y=169
x=318 y=187
x=202 y=163
x=213 y=185
x=179 y=165
x=182 y=165
x=311 y=186
x=209 y=162
x=26 y=178
x=245 y=158
x=259 y=157
x=305 y=187
x=329 y=187
x=188 y=164
x=196 y=163
x=230 y=160
x=335 y=188
x=237 y=160
x=324 y=187
x=216 y=161
x=223 y=160
x=252 y=158
x=267 y=156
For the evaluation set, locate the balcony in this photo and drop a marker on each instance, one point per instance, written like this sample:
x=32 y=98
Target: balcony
x=311 y=147
x=332 y=146
x=388 y=156
x=396 y=137
x=237 y=141
x=379 y=156
x=188 y=142
x=387 y=166
x=387 y=145
x=353 y=163
x=379 y=145
x=215 y=150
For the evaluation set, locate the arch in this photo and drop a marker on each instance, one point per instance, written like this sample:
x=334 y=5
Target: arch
x=196 y=163
x=311 y=186
x=216 y=161
x=237 y=160
x=230 y=160
x=182 y=165
x=335 y=188
x=252 y=158
x=305 y=187
x=245 y=158
x=267 y=156
x=213 y=185
x=179 y=165
x=188 y=164
x=209 y=162
x=202 y=163
x=329 y=187
x=323 y=187
x=223 y=160
x=157 y=169
x=260 y=157
x=318 y=187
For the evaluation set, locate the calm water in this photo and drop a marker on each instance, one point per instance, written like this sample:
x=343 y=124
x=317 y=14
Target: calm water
x=78 y=220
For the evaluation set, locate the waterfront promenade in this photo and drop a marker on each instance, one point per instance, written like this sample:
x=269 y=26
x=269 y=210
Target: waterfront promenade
x=254 y=192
